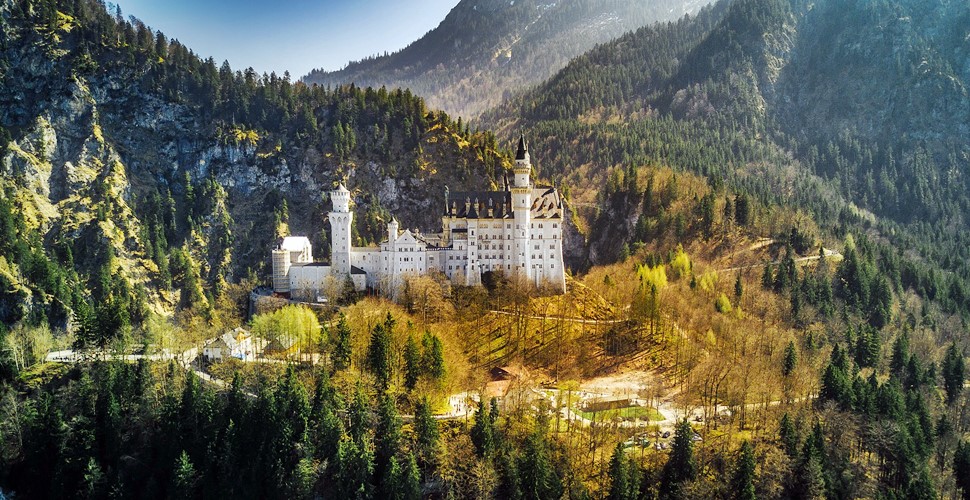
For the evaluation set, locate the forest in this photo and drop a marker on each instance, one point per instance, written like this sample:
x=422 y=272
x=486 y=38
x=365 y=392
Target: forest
x=795 y=305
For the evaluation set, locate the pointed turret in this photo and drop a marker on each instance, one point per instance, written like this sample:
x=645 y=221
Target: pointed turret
x=523 y=151
x=392 y=230
x=523 y=165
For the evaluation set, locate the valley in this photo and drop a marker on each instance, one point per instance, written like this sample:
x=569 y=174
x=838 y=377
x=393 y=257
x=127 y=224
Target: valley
x=758 y=213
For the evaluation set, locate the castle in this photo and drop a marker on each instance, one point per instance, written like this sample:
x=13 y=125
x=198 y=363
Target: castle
x=516 y=231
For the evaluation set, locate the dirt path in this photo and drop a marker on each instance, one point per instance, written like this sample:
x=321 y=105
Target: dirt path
x=829 y=254
x=566 y=319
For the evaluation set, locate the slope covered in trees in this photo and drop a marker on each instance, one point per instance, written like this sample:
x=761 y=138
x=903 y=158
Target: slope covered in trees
x=484 y=51
x=821 y=106
x=153 y=179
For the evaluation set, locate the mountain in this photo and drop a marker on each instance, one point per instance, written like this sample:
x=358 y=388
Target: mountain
x=485 y=50
x=133 y=171
x=856 y=112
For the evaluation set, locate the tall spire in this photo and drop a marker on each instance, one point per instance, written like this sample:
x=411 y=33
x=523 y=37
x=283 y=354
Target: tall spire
x=523 y=150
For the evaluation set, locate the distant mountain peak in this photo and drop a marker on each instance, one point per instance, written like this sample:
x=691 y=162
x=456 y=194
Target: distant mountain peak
x=485 y=50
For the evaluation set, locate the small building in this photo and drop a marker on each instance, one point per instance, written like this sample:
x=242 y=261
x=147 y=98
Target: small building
x=282 y=346
x=235 y=344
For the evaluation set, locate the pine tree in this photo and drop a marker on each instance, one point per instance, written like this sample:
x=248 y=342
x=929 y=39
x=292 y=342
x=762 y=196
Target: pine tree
x=342 y=347
x=427 y=435
x=359 y=416
x=379 y=352
x=809 y=480
x=768 y=277
x=409 y=484
x=184 y=477
x=624 y=477
x=539 y=478
x=788 y=436
x=93 y=479
x=743 y=480
x=387 y=437
x=412 y=363
x=355 y=474
x=900 y=353
x=681 y=465
x=961 y=468
x=482 y=431
x=432 y=358
x=742 y=210
x=954 y=368
x=791 y=359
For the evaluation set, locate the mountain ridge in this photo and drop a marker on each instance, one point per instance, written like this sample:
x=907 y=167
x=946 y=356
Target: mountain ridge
x=484 y=51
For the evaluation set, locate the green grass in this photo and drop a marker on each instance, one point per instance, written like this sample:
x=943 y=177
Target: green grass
x=632 y=412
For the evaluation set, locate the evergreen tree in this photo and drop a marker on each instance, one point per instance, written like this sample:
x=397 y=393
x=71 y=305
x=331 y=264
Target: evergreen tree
x=618 y=474
x=433 y=359
x=954 y=368
x=355 y=462
x=359 y=416
x=482 y=430
x=412 y=363
x=184 y=477
x=624 y=479
x=961 y=468
x=742 y=210
x=406 y=479
x=768 y=277
x=900 y=355
x=791 y=359
x=788 y=436
x=539 y=477
x=342 y=346
x=742 y=484
x=93 y=480
x=379 y=352
x=809 y=480
x=387 y=441
x=426 y=434
x=681 y=465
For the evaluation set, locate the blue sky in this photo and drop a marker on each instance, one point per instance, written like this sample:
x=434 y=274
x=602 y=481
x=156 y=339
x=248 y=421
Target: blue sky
x=294 y=35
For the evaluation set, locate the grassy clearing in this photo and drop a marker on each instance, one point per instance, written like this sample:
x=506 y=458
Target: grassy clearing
x=632 y=412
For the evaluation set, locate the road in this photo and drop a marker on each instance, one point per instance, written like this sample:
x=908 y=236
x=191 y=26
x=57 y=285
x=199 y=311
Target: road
x=558 y=318
x=829 y=254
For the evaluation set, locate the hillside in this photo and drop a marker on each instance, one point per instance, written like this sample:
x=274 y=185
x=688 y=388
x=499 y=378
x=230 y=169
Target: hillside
x=485 y=51
x=854 y=112
x=133 y=170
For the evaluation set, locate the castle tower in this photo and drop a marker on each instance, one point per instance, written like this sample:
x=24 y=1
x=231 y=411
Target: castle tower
x=521 y=209
x=392 y=232
x=341 y=220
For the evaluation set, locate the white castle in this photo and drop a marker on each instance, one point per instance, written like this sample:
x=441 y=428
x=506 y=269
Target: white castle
x=517 y=231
